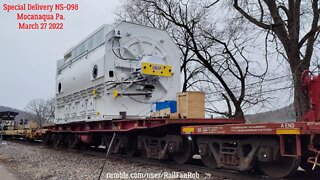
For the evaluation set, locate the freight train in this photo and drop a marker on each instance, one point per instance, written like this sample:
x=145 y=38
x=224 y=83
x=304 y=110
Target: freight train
x=117 y=88
x=21 y=129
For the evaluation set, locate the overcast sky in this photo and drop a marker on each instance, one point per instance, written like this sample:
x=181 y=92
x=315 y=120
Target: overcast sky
x=28 y=57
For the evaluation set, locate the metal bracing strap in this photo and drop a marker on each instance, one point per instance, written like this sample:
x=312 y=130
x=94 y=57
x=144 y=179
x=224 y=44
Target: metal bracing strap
x=105 y=160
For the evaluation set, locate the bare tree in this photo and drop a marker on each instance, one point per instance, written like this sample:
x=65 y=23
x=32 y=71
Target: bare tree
x=51 y=104
x=294 y=29
x=211 y=59
x=40 y=110
x=141 y=12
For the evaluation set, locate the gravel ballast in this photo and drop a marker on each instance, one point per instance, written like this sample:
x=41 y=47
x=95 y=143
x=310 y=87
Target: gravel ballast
x=27 y=161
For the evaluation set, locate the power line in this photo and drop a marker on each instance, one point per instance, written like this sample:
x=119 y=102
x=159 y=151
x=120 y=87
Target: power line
x=262 y=92
x=249 y=86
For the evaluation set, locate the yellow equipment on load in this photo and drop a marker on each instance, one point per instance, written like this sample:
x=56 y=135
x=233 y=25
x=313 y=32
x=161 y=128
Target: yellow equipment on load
x=156 y=69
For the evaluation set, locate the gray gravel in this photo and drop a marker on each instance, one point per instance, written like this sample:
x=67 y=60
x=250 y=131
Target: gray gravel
x=38 y=162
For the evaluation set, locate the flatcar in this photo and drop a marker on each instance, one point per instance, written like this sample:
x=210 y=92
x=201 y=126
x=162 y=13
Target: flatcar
x=119 y=88
x=24 y=129
x=106 y=88
x=277 y=149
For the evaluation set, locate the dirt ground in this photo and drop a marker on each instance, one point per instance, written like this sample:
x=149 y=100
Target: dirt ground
x=21 y=161
x=5 y=174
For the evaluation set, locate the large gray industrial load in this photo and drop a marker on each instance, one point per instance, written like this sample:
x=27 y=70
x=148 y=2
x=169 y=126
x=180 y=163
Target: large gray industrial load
x=122 y=68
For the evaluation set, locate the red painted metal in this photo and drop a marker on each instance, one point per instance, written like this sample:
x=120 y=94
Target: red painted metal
x=308 y=127
x=86 y=138
x=283 y=147
x=311 y=83
x=254 y=129
x=126 y=125
x=298 y=145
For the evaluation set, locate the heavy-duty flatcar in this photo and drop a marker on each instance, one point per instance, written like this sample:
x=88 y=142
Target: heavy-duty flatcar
x=119 y=88
x=24 y=129
x=277 y=149
x=106 y=88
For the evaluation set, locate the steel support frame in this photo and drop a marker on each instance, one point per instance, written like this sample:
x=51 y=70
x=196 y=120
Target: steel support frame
x=282 y=139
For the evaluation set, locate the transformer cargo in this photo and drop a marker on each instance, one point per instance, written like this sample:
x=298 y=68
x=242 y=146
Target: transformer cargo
x=121 y=68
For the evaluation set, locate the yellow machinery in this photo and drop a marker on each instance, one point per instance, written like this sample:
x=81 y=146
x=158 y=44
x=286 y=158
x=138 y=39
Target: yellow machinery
x=29 y=130
x=30 y=134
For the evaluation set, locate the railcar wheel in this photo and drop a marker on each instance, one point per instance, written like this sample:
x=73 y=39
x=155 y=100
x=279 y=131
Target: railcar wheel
x=144 y=154
x=283 y=167
x=57 y=140
x=105 y=141
x=209 y=161
x=96 y=141
x=131 y=147
x=186 y=153
x=47 y=139
x=73 y=141
x=83 y=146
x=207 y=157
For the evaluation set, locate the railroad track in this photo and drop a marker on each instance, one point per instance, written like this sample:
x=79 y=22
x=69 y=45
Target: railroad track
x=195 y=166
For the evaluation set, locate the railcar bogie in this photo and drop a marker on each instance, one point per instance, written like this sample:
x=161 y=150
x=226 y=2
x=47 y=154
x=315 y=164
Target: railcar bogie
x=277 y=149
x=244 y=153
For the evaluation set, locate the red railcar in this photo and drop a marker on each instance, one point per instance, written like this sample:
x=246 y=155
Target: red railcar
x=278 y=149
x=156 y=138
